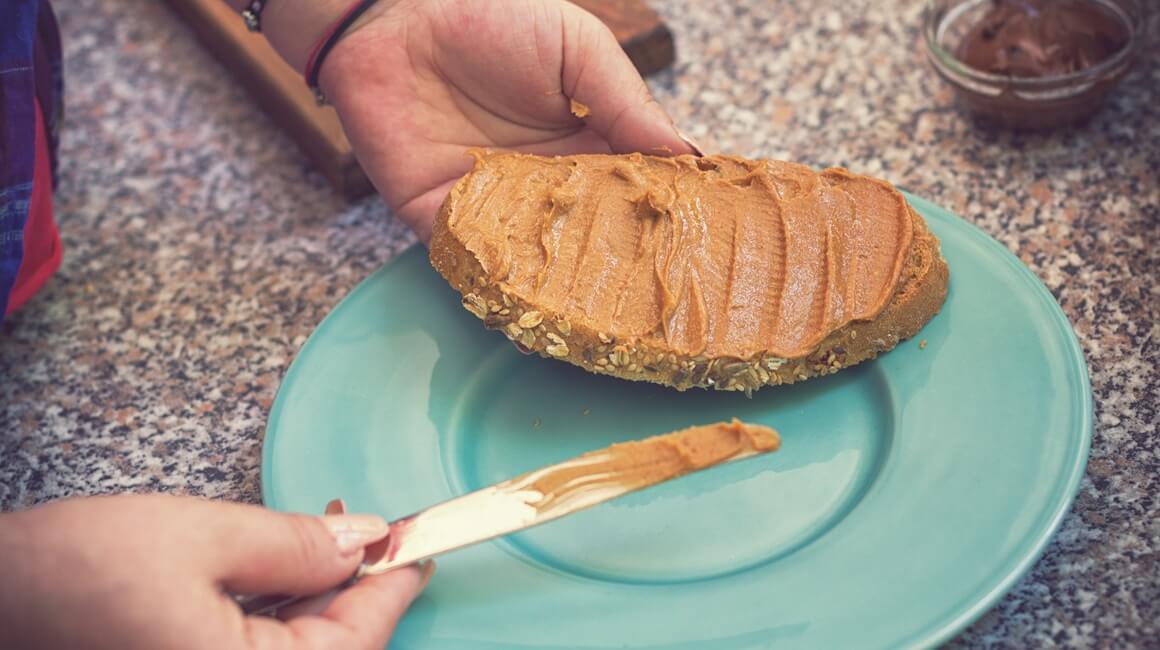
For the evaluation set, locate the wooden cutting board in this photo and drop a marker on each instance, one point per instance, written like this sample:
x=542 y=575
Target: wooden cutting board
x=282 y=94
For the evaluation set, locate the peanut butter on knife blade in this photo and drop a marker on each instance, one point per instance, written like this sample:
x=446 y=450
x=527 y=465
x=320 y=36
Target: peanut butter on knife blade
x=641 y=463
x=552 y=492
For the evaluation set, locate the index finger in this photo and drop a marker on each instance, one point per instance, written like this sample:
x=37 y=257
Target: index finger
x=614 y=99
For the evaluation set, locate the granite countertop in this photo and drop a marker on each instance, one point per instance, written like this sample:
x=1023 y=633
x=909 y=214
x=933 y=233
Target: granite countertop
x=201 y=250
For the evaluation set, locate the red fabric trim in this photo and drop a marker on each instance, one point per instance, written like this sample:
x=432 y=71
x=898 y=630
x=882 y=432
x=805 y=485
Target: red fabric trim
x=42 y=249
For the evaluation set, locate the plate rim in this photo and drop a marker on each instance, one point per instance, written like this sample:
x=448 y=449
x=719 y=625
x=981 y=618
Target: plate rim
x=940 y=632
x=1084 y=412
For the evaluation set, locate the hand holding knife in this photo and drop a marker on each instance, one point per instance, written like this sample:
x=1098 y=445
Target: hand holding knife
x=545 y=494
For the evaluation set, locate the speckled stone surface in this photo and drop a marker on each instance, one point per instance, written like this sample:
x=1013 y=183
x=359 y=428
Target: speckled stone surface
x=201 y=250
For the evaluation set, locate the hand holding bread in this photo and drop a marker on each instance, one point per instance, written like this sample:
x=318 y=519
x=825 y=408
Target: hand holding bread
x=426 y=80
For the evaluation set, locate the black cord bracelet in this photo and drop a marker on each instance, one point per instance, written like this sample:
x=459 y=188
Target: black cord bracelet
x=318 y=56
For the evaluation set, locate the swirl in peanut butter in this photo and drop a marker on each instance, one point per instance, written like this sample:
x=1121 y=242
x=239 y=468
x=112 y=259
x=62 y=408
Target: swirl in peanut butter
x=716 y=256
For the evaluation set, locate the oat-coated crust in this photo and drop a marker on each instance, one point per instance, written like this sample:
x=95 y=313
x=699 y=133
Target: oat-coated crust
x=921 y=290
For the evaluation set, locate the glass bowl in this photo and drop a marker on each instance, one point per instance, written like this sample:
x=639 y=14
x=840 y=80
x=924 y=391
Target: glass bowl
x=1025 y=102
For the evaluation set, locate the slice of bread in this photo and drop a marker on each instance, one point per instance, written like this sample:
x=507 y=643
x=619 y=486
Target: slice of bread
x=486 y=248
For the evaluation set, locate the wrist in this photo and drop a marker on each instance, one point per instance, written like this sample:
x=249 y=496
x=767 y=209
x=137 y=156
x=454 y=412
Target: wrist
x=294 y=27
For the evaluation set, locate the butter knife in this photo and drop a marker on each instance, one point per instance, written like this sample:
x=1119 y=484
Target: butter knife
x=549 y=493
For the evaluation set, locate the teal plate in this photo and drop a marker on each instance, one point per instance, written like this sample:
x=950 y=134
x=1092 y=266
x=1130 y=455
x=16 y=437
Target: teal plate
x=909 y=495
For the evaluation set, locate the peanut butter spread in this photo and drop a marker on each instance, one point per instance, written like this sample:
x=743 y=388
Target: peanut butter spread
x=641 y=463
x=716 y=256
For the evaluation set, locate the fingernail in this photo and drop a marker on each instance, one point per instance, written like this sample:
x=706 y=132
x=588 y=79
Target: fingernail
x=353 y=532
x=335 y=507
x=689 y=141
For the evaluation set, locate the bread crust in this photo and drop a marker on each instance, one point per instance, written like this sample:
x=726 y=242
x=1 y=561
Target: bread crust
x=920 y=293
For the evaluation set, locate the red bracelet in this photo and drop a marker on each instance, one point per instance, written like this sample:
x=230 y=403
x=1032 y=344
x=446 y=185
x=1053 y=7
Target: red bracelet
x=327 y=43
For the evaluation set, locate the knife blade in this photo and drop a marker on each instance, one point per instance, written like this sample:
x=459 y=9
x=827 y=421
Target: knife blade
x=549 y=493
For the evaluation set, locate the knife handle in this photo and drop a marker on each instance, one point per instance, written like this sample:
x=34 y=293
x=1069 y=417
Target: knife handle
x=269 y=604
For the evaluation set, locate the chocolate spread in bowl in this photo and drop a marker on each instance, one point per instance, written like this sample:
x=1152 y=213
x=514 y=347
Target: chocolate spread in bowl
x=1038 y=38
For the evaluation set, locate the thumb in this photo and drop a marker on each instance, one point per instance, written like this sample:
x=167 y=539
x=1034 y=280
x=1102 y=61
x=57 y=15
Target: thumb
x=255 y=550
x=614 y=100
